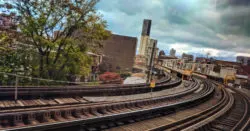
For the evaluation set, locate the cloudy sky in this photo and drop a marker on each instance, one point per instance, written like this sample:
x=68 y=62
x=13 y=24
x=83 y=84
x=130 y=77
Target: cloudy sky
x=218 y=27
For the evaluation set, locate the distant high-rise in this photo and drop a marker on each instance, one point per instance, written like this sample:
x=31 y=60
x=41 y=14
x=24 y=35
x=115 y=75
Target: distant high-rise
x=145 y=39
x=172 y=52
x=146 y=28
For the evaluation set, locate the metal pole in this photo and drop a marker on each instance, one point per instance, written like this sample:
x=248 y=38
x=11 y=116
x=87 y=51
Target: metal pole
x=16 y=88
x=151 y=92
x=151 y=61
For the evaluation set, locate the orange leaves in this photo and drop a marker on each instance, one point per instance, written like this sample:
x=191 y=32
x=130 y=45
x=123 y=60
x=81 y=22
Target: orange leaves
x=110 y=77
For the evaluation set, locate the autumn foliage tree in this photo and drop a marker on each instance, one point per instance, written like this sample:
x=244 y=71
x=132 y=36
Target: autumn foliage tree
x=110 y=77
x=60 y=32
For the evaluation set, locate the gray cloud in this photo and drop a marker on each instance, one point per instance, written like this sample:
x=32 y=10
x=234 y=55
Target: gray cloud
x=221 y=24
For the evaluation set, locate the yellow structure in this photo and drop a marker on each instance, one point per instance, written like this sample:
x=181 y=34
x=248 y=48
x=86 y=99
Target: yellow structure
x=152 y=84
x=186 y=73
x=229 y=77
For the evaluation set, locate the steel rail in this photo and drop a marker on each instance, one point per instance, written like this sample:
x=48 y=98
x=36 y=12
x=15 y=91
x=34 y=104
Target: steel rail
x=235 y=115
x=227 y=117
x=26 y=93
x=137 y=105
x=190 y=90
x=138 y=127
x=181 y=124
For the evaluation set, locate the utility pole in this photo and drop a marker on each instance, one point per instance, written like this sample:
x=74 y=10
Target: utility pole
x=16 y=84
x=150 y=68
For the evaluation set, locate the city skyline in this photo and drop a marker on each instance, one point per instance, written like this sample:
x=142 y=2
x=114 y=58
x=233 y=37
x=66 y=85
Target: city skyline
x=188 y=26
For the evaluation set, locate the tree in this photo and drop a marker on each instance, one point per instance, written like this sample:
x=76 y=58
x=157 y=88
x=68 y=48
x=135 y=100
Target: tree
x=110 y=77
x=13 y=58
x=61 y=32
x=3 y=42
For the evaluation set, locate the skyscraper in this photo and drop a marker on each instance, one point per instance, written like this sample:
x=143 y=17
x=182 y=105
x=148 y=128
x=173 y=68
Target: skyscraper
x=146 y=28
x=145 y=39
x=172 y=52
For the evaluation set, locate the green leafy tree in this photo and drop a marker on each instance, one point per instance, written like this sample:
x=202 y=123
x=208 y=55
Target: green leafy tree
x=4 y=42
x=60 y=32
x=13 y=59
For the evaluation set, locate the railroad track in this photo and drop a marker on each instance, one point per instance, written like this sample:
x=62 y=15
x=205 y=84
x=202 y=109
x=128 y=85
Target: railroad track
x=74 y=98
x=7 y=93
x=230 y=113
x=188 y=90
x=199 y=117
x=237 y=118
x=166 y=121
x=20 y=104
x=43 y=118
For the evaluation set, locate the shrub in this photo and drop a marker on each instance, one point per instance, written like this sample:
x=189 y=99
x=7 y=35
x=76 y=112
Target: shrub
x=110 y=77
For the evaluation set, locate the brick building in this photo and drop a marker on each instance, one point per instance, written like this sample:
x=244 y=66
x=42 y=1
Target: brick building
x=6 y=21
x=119 y=53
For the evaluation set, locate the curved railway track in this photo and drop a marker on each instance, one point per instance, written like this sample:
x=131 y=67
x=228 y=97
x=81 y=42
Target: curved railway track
x=108 y=90
x=169 y=120
x=49 y=117
x=187 y=123
x=235 y=119
x=232 y=115
x=21 y=104
x=188 y=110
x=230 y=112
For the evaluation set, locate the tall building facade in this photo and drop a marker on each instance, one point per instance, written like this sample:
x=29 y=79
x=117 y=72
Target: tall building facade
x=147 y=44
x=145 y=37
x=172 y=52
x=119 y=53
